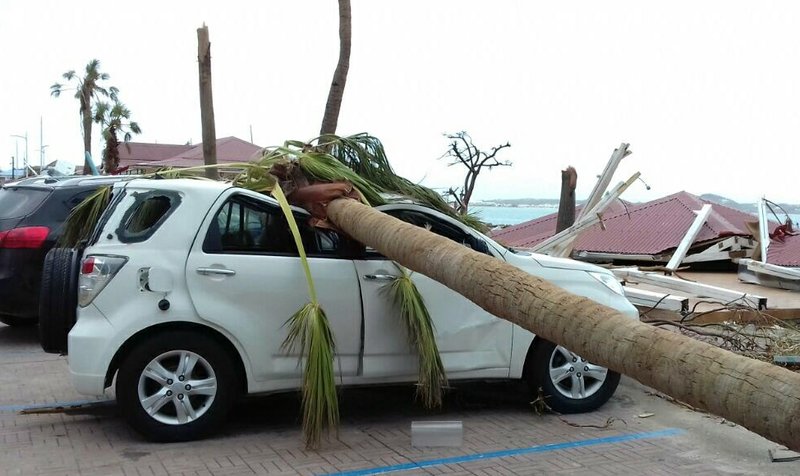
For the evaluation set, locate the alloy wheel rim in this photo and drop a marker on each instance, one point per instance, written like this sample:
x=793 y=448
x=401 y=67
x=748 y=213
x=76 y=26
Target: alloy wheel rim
x=177 y=387
x=573 y=376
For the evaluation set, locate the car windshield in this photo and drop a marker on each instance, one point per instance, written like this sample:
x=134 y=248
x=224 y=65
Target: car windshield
x=20 y=202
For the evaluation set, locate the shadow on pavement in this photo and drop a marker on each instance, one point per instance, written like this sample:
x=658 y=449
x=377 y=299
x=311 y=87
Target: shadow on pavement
x=376 y=404
x=18 y=335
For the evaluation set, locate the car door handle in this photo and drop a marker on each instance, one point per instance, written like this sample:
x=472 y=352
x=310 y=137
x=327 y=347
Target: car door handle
x=207 y=271
x=379 y=277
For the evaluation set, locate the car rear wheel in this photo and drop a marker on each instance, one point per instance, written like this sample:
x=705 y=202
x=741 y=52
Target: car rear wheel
x=569 y=383
x=177 y=386
x=58 y=299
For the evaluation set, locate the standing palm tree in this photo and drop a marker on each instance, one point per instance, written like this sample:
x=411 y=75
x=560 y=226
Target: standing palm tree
x=114 y=118
x=87 y=91
x=331 y=117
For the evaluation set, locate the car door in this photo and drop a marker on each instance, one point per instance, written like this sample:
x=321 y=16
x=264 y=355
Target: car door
x=472 y=342
x=244 y=275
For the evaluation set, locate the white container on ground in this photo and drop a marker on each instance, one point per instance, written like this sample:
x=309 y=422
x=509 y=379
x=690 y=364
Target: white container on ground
x=437 y=433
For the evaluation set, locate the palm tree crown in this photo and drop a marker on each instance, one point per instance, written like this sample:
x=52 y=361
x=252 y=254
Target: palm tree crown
x=88 y=89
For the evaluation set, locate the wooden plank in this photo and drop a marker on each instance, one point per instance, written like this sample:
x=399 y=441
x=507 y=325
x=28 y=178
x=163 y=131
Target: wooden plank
x=605 y=178
x=597 y=256
x=564 y=239
x=717 y=256
x=772 y=269
x=645 y=299
x=689 y=237
x=746 y=316
x=694 y=289
x=763 y=230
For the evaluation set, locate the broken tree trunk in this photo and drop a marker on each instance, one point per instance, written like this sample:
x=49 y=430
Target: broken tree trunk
x=566 y=204
x=761 y=397
x=207 y=103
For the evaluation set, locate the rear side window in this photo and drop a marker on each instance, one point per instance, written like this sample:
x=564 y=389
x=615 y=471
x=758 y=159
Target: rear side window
x=20 y=202
x=148 y=212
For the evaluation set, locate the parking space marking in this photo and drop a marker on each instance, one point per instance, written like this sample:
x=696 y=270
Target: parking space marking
x=65 y=405
x=506 y=453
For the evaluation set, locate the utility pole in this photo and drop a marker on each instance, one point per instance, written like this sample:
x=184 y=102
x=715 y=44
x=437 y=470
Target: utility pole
x=41 y=146
x=25 y=161
x=13 y=166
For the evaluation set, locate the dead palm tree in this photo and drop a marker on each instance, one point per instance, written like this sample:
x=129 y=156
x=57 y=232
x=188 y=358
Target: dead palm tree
x=760 y=396
x=88 y=90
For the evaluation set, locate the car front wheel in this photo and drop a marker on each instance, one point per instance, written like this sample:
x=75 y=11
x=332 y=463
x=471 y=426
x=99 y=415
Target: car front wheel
x=570 y=383
x=177 y=386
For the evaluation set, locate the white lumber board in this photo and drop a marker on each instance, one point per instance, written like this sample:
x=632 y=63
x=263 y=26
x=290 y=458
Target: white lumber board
x=694 y=289
x=717 y=256
x=568 y=235
x=688 y=238
x=605 y=178
x=652 y=299
x=763 y=230
x=772 y=269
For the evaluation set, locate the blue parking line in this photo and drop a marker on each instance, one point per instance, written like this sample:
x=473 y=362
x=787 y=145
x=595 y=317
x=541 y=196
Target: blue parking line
x=506 y=453
x=36 y=406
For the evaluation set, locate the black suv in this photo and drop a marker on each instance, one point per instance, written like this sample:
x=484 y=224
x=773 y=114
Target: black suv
x=32 y=215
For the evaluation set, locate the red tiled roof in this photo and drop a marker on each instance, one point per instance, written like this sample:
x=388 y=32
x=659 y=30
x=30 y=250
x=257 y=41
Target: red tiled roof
x=229 y=149
x=647 y=228
x=139 y=152
x=786 y=253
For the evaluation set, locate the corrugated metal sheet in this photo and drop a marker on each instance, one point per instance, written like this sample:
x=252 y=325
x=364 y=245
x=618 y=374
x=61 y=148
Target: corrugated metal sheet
x=786 y=253
x=647 y=228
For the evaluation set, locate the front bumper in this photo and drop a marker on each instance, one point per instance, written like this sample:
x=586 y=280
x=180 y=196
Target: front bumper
x=90 y=351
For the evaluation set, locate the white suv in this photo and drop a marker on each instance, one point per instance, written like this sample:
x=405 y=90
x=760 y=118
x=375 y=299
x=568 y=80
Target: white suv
x=186 y=285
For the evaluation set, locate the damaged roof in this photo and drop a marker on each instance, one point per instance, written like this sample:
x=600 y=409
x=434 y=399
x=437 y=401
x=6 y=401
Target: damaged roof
x=784 y=253
x=646 y=228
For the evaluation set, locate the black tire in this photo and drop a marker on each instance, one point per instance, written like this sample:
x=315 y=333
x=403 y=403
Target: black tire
x=211 y=415
x=58 y=300
x=539 y=378
x=16 y=321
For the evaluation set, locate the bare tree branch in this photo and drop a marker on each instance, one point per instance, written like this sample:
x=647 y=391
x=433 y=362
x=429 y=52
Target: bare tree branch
x=463 y=151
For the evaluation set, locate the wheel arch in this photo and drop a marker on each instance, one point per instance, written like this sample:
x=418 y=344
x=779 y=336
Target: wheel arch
x=148 y=332
x=527 y=367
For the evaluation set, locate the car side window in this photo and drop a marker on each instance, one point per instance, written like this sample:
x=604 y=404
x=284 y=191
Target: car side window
x=438 y=226
x=147 y=213
x=244 y=225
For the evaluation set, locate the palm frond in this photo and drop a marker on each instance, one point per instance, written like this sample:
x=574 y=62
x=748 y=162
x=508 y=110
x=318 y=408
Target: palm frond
x=365 y=155
x=421 y=335
x=310 y=328
x=84 y=217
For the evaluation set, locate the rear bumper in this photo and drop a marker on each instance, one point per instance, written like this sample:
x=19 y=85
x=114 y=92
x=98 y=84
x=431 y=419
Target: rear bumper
x=90 y=352
x=20 y=282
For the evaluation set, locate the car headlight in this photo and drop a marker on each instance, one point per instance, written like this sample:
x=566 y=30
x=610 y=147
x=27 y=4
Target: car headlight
x=609 y=281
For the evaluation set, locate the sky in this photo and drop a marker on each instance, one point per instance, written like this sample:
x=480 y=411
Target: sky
x=706 y=93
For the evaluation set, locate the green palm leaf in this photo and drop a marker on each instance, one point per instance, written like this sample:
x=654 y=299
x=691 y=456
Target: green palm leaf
x=84 y=217
x=421 y=336
x=309 y=327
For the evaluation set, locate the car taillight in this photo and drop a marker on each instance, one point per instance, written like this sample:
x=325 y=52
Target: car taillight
x=96 y=272
x=28 y=237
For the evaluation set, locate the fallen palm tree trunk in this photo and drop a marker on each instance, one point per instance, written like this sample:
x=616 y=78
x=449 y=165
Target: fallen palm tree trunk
x=761 y=397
